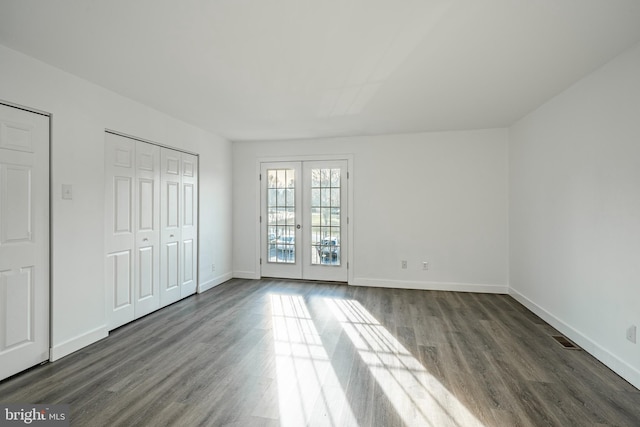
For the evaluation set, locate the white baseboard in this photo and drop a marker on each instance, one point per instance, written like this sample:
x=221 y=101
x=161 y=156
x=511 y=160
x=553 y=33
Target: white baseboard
x=430 y=286
x=74 y=344
x=252 y=275
x=617 y=365
x=212 y=283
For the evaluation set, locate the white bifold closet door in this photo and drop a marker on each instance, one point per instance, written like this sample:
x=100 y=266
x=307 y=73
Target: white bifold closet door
x=151 y=254
x=170 y=227
x=147 y=239
x=189 y=225
x=179 y=225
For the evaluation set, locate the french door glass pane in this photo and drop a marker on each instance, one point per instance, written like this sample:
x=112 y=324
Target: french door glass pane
x=281 y=216
x=325 y=216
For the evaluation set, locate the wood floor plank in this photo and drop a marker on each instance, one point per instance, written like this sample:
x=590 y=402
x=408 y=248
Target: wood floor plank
x=280 y=352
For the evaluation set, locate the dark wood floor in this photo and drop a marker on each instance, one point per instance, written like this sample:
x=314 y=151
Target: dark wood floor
x=275 y=352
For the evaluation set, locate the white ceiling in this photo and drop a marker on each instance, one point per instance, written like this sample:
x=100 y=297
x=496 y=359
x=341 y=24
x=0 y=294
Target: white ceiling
x=265 y=69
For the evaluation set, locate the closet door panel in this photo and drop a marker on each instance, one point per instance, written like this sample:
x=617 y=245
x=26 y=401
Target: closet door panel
x=170 y=233
x=120 y=229
x=147 y=279
x=189 y=224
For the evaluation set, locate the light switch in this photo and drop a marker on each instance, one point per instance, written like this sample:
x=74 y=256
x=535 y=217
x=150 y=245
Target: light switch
x=67 y=192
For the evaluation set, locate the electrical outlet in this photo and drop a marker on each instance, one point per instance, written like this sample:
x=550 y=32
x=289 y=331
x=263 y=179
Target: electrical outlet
x=213 y=268
x=425 y=265
x=631 y=333
x=404 y=264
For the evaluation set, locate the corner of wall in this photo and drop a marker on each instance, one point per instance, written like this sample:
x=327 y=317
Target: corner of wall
x=620 y=367
x=74 y=344
x=212 y=283
x=250 y=275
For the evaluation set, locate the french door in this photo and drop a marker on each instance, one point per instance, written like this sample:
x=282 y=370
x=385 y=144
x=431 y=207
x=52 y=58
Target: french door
x=304 y=220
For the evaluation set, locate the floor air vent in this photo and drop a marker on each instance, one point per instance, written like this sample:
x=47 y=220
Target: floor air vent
x=564 y=342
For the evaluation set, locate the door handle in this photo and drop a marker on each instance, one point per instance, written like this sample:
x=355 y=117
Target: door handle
x=171 y=235
x=298 y=226
x=145 y=240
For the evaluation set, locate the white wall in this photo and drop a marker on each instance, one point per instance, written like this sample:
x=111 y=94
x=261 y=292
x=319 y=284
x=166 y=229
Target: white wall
x=575 y=212
x=437 y=197
x=81 y=113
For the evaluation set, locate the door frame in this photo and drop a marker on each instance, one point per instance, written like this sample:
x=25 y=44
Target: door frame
x=349 y=158
x=50 y=215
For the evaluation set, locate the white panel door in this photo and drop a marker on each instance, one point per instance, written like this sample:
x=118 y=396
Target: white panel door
x=189 y=225
x=24 y=240
x=170 y=226
x=147 y=229
x=120 y=233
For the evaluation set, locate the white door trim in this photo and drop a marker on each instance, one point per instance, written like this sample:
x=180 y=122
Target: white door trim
x=29 y=110
x=148 y=141
x=349 y=158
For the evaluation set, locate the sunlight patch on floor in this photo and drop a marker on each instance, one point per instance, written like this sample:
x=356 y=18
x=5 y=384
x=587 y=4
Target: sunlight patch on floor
x=308 y=388
x=418 y=397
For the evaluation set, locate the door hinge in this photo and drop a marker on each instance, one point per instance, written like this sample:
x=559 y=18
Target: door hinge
x=260 y=219
x=347 y=265
x=260 y=261
x=347 y=175
x=260 y=176
x=347 y=220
